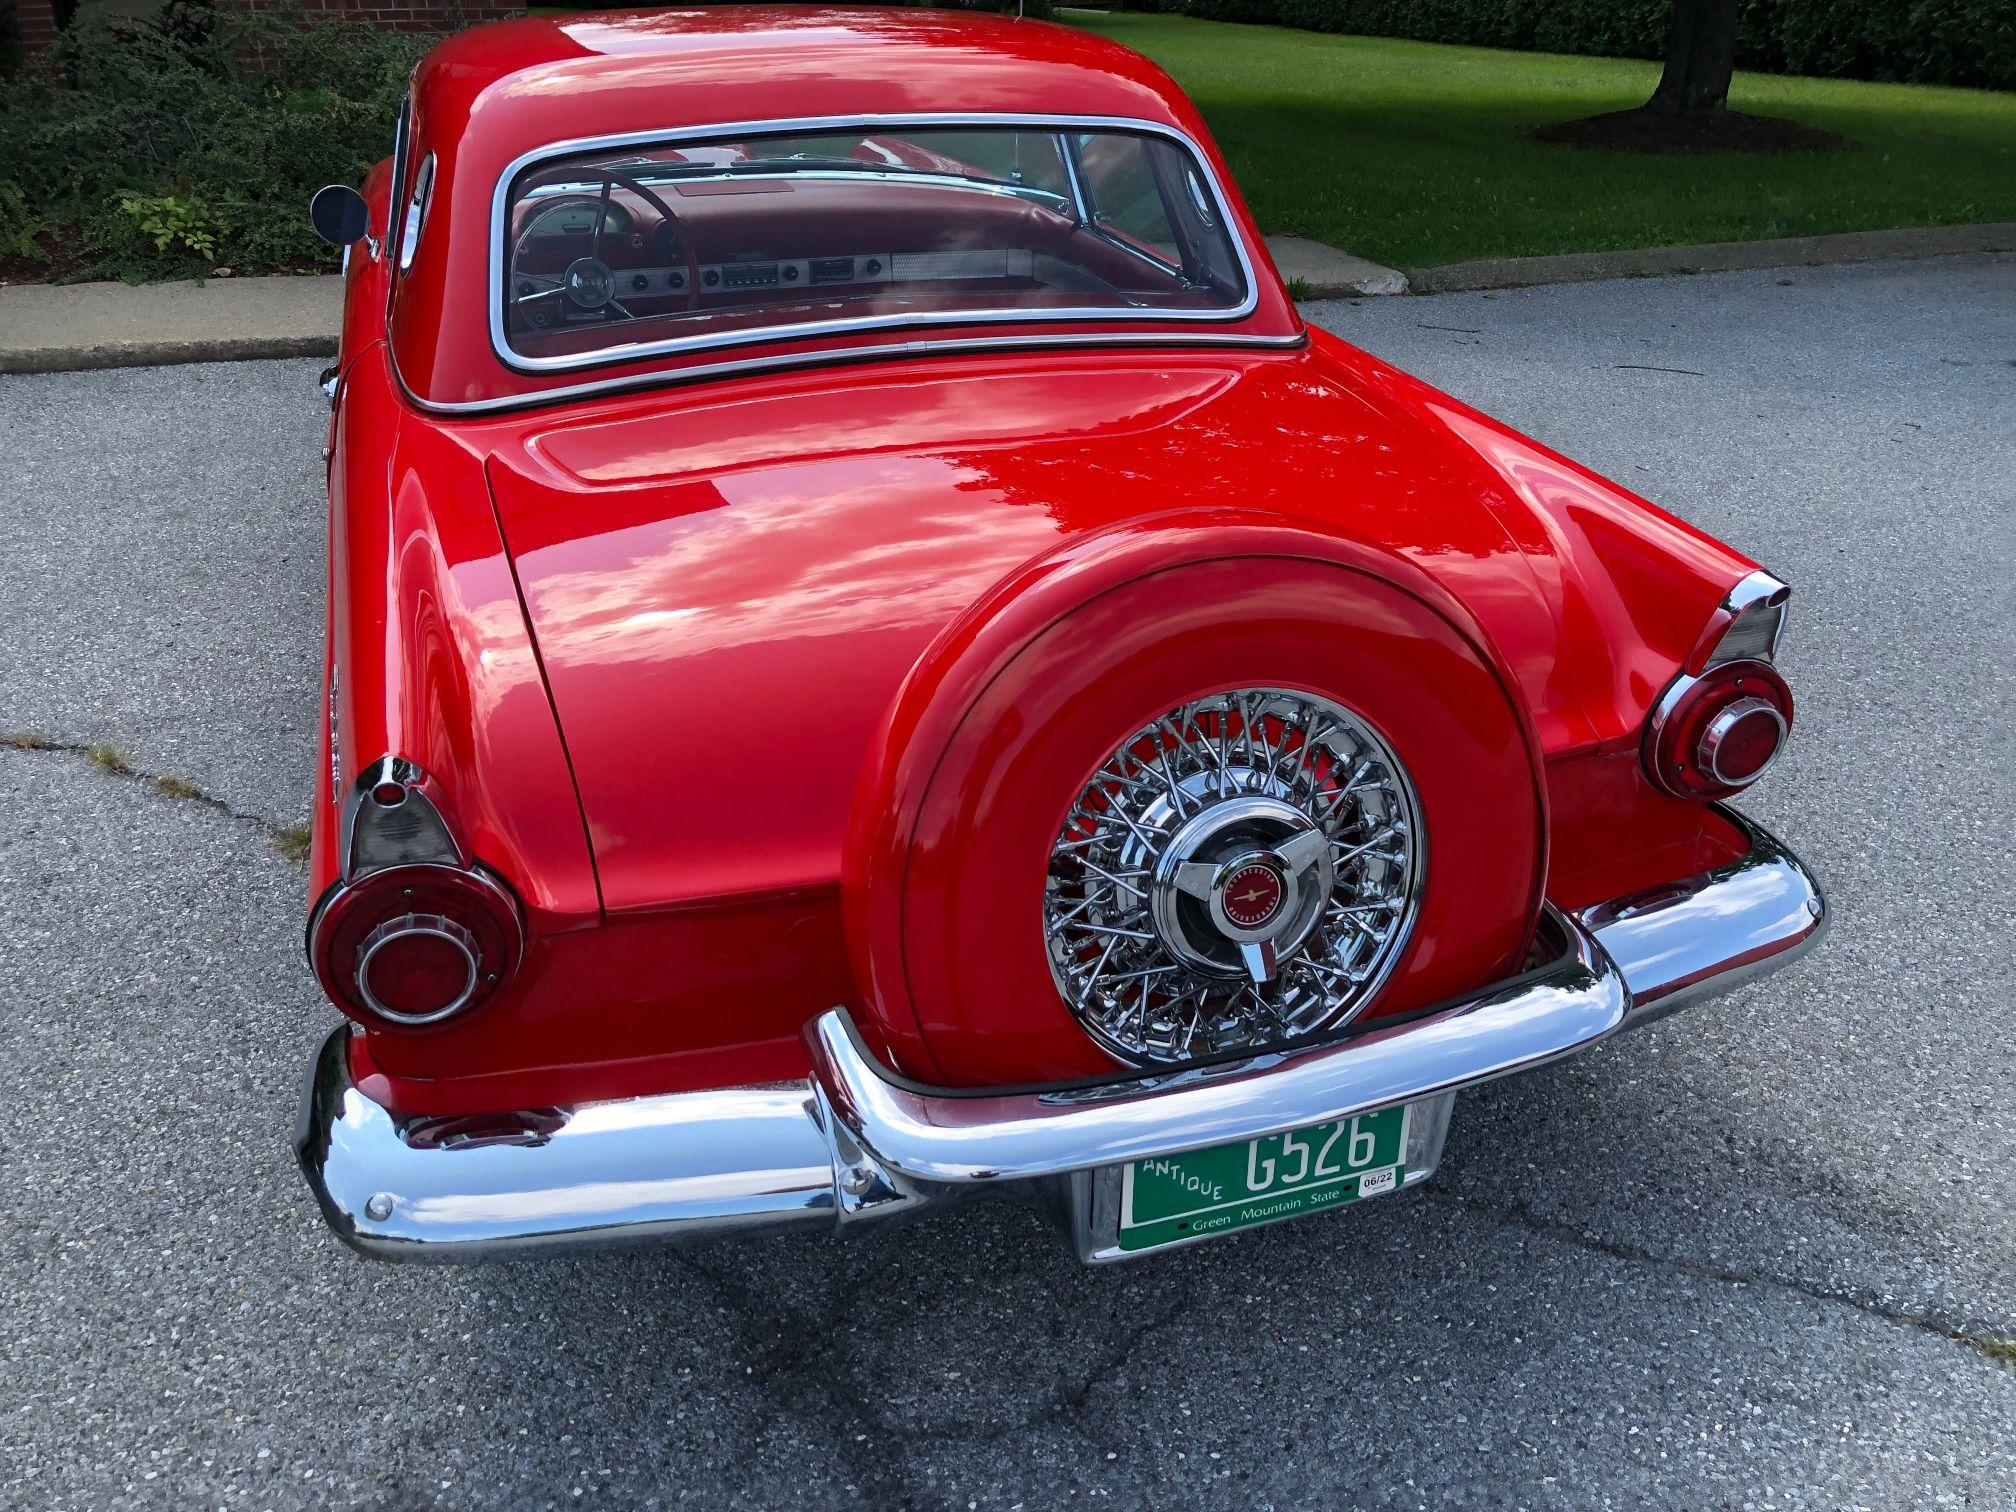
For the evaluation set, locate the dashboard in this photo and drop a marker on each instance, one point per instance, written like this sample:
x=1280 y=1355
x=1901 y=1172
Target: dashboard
x=576 y=217
x=724 y=258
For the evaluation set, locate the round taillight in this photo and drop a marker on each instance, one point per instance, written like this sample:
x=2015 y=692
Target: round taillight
x=411 y=946
x=417 y=968
x=1716 y=734
x=1741 y=740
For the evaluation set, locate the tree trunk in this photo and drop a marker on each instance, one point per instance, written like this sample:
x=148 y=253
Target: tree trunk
x=1700 y=57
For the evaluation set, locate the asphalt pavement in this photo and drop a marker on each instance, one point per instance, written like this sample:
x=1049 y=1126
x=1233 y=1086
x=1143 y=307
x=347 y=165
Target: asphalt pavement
x=1759 y=1256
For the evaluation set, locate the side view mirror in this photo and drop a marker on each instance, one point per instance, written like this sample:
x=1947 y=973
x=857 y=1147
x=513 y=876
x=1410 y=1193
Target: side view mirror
x=339 y=214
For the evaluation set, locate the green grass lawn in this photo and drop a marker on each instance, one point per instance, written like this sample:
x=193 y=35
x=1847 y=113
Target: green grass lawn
x=1409 y=153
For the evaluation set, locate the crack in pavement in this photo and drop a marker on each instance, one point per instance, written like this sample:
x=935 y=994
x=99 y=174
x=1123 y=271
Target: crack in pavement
x=800 y=1370
x=791 y=1366
x=1517 y=1215
x=292 y=843
x=1069 y=1403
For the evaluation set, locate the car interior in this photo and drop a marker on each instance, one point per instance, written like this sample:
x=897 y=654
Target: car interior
x=739 y=240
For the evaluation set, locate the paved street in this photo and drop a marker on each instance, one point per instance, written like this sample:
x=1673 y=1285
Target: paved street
x=1759 y=1256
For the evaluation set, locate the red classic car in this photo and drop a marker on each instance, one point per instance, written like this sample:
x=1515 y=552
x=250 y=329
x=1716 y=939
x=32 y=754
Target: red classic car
x=873 y=659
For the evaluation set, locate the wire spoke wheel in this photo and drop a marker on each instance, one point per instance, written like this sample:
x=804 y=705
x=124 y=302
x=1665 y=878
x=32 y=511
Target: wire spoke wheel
x=1239 y=873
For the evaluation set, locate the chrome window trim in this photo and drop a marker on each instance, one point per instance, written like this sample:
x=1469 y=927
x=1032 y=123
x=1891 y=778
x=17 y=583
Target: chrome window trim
x=1090 y=217
x=501 y=201
x=402 y=144
x=784 y=361
x=414 y=220
x=917 y=177
x=1081 y=202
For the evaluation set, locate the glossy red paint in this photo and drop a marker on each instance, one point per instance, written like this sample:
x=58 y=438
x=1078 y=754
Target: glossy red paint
x=762 y=692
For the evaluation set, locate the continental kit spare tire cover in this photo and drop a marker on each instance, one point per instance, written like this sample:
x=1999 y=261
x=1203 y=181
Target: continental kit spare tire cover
x=1037 y=814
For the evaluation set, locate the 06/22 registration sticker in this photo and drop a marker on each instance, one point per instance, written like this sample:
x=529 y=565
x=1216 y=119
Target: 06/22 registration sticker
x=1172 y=1198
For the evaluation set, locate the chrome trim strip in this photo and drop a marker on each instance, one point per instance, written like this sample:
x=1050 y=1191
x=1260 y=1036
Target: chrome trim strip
x=852 y=1142
x=1081 y=202
x=499 y=227
x=1058 y=341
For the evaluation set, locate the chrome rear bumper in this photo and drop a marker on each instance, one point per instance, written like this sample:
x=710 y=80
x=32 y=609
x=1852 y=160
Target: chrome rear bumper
x=853 y=1143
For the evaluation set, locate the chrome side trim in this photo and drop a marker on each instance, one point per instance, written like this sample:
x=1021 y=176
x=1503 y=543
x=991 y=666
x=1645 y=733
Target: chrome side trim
x=785 y=361
x=500 y=198
x=853 y=1142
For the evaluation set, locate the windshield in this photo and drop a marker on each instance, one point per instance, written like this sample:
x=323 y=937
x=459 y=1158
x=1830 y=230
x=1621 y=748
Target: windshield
x=703 y=243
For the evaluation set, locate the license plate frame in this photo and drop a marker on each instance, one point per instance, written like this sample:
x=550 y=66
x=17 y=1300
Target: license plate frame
x=1123 y=1212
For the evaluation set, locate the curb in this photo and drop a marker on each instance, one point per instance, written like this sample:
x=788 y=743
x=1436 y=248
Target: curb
x=64 y=327
x=118 y=354
x=1317 y=270
x=54 y=329
x=1713 y=257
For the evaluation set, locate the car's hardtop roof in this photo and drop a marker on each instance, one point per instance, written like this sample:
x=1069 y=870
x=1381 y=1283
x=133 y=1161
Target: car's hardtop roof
x=676 y=69
x=499 y=95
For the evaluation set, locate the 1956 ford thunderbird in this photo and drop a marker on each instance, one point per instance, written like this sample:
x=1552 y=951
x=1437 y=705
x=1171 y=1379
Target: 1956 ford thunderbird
x=873 y=659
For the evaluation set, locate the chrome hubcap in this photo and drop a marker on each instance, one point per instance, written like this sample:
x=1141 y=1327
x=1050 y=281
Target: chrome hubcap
x=1239 y=873
x=1240 y=885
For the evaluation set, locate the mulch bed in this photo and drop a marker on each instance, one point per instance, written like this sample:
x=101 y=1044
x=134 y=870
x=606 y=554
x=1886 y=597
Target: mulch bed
x=1723 y=131
x=62 y=254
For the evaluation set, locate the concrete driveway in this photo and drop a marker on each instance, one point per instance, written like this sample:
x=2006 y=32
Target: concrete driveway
x=1759 y=1256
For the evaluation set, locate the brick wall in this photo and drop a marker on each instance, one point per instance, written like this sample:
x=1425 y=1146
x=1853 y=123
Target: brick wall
x=37 y=21
x=37 y=18
x=394 y=15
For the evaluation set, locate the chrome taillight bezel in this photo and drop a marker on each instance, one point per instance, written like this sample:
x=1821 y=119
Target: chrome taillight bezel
x=1675 y=751
x=392 y=817
x=403 y=868
x=350 y=916
x=1735 y=660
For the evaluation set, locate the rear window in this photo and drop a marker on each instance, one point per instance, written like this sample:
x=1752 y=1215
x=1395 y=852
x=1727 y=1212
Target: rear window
x=696 y=243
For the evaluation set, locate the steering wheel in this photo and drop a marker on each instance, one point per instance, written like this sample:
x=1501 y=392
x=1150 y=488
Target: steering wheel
x=588 y=283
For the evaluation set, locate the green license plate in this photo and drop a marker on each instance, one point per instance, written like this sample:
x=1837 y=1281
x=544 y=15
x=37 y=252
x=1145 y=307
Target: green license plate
x=1233 y=1186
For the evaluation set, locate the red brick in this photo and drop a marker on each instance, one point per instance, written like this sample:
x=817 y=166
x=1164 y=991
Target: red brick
x=37 y=22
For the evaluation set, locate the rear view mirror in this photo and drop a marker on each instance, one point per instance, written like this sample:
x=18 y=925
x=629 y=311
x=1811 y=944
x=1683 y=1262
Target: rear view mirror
x=339 y=214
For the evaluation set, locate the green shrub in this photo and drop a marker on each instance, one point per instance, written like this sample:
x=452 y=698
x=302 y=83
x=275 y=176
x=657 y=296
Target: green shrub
x=170 y=147
x=1969 y=42
x=166 y=148
x=174 y=224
